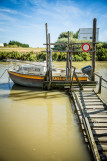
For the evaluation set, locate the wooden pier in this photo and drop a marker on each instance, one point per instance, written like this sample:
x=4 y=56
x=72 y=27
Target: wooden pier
x=92 y=114
x=91 y=110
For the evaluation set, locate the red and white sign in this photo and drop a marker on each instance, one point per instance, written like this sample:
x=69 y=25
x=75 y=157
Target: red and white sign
x=86 y=47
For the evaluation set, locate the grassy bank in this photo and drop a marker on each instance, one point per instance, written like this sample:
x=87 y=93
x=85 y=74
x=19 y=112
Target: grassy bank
x=35 y=54
x=21 y=49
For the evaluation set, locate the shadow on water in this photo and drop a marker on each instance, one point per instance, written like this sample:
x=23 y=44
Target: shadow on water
x=18 y=93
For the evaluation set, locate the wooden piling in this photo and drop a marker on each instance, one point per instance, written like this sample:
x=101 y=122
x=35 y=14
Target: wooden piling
x=94 y=49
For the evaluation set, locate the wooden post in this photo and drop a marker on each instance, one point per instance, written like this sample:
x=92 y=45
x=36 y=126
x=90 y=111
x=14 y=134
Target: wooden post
x=68 y=59
x=72 y=79
x=100 y=83
x=47 y=55
x=49 y=61
x=67 y=67
x=94 y=49
x=46 y=27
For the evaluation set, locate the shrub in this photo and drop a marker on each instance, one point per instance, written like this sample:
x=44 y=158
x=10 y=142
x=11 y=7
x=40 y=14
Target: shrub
x=102 y=54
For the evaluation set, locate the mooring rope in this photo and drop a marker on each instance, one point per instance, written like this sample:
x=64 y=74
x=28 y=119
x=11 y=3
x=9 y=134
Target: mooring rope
x=3 y=73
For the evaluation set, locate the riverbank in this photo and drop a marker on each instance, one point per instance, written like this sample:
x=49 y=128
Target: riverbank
x=41 y=56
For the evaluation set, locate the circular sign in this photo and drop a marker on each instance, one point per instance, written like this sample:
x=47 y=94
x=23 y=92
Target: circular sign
x=86 y=47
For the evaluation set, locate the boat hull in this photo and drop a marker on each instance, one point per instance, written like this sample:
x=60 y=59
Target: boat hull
x=34 y=80
x=26 y=80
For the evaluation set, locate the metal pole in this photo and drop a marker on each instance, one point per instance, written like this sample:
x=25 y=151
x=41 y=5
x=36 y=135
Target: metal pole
x=94 y=49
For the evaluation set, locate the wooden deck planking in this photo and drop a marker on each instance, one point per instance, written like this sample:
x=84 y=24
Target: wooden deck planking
x=95 y=110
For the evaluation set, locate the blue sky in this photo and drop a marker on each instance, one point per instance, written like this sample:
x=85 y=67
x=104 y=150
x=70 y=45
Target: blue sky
x=24 y=20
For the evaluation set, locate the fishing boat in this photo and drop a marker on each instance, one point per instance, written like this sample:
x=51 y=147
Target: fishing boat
x=33 y=75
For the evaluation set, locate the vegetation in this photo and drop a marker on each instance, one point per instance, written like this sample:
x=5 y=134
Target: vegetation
x=23 y=52
x=15 y=44
x=101 y=54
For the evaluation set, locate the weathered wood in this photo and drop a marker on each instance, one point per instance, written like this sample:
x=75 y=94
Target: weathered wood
x=92 y=108
x=98 y=124
x=100 y=132
x=90 y=100
x=69 y=43
x=94 y=49
x=96 y=111
x=101 y=139
x=100 y=83
x=100 y=76
x=92 y=103
x=88 y=130
x=98 y=120
x=46 y=45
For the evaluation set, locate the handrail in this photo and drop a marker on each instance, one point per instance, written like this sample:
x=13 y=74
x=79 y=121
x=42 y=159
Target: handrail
x=100 y=76
x=100 y=82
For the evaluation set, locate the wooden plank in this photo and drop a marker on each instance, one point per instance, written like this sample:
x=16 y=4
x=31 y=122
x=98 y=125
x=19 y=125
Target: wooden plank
x=92 y=103
x=96 y=111
x=87 y=98
x=90 y=100
x=99 y=128
x=98 y=120
x=100 y=132
x=101 y=139
x=94 y=116
x=94 y=107
x=87 y=95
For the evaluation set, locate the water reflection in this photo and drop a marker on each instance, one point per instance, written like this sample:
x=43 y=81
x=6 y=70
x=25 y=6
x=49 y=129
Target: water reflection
x=38 y=125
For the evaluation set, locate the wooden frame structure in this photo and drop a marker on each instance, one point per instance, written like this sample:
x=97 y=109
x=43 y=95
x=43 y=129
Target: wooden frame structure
x=69 y=52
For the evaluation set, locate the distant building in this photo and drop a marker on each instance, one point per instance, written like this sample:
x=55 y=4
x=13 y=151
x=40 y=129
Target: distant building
x=1 y=44
x=87 y=34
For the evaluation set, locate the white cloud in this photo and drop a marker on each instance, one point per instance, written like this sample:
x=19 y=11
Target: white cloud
x=8 y=10
x=11 y=11
x=6 y=17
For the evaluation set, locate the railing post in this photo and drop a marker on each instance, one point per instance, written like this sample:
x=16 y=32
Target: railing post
x=100 y=83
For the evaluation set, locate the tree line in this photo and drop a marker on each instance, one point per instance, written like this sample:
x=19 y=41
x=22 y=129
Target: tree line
x=15 y=44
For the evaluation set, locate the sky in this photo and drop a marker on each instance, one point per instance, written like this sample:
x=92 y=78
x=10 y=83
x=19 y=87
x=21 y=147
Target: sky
x=24 y=20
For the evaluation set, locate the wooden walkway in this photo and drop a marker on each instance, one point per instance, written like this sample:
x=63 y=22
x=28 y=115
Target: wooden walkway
x=92 y=113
